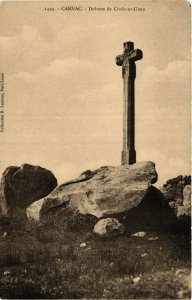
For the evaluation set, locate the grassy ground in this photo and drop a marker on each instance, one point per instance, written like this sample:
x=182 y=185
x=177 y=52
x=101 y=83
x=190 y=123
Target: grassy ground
x=47 y=262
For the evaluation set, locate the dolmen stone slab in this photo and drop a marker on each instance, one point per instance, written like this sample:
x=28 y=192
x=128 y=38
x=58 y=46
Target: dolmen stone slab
x=107 y=192
x=21 y=186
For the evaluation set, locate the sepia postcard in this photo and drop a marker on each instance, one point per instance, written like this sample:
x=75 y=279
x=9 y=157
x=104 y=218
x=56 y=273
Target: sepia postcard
x=95 y=137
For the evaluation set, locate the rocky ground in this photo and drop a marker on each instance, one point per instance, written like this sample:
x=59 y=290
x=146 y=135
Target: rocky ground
x=50 y=263
x=139 y=249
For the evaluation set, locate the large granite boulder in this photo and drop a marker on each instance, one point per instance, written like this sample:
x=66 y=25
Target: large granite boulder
x=5 y=190
x=21 y=186
x=109 y=191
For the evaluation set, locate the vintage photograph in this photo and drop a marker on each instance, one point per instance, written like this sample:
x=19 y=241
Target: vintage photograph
x=95 y=133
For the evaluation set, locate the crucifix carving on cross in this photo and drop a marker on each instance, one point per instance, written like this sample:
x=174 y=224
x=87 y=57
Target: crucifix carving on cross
x=127 y=61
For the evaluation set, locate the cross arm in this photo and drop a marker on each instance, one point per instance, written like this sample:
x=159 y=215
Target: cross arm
x=134 y=55
x=119 y=60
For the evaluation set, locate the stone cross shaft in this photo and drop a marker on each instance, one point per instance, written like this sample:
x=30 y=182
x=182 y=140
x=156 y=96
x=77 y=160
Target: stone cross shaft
x=127 y=61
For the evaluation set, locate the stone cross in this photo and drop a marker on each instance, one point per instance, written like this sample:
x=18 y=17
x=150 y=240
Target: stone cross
x=127 y=61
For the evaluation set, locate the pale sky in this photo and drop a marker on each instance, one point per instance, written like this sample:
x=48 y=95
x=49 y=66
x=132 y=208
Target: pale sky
x=63 y=90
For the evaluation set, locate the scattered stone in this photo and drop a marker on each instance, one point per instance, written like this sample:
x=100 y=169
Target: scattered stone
x=21 y=186
x=4 y=234
x=180 y=294
x=139 y=234
x=144 y=254
x=180 y=272
x=108 y=227
x=153 y=238
x=6 y=273
x=87 y=249
x=136 y=280
x=83 y=245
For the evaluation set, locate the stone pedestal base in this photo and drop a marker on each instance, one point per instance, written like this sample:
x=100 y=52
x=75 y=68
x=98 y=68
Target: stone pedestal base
x=128 y=157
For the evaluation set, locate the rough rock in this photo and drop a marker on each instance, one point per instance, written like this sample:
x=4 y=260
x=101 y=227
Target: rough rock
x=33 y=210
x=21 y=186
x=82 y=245
x=139 y=234
x=185 y=208
x=110 y=191
x=136 y=280
x=180 y=211
x=108 y=227
x=187 y=197
x=173 y=191
x=172 y=204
